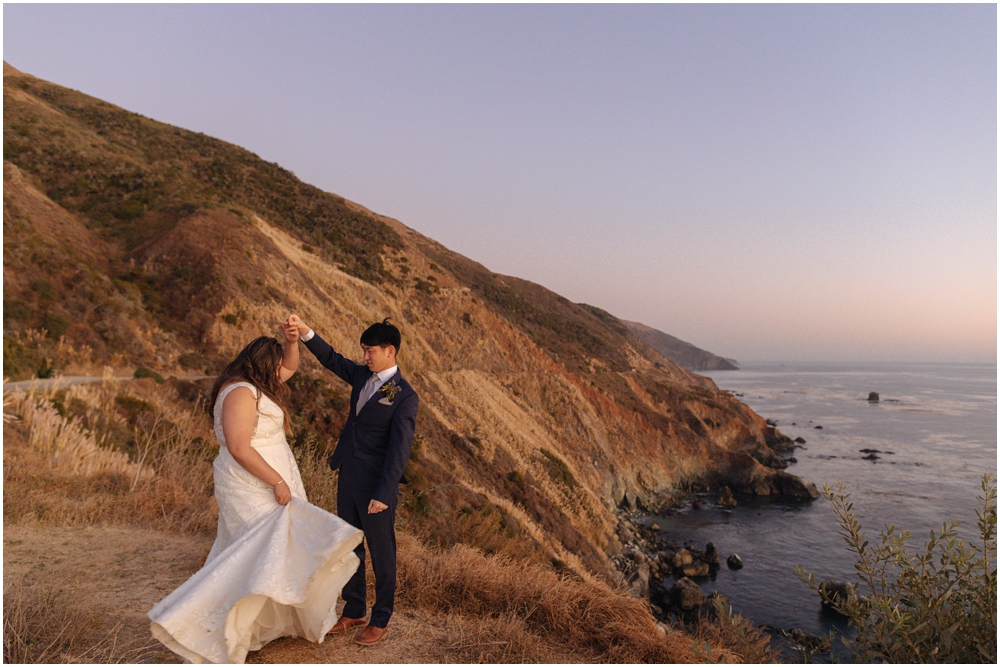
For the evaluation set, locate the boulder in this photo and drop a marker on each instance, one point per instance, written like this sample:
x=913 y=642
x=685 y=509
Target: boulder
x=794 y=487
x=711 y=555
x=682 y=558
x=695 y=570
x=777 y=440
x=833 y=592
x=734 y=562
x=873 y=397
x=726 y=498
x=638 y=581
x=630 y=500
x=686 y=594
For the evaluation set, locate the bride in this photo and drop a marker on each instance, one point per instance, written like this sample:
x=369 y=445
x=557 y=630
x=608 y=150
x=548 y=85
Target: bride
x=278 y=563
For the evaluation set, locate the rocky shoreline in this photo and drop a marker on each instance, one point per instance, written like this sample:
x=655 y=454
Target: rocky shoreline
x=669 y=575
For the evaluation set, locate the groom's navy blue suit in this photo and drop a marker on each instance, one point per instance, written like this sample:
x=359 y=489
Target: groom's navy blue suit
x=371 y=454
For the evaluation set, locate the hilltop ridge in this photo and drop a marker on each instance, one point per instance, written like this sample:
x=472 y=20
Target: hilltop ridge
x=129 y=242
x=680 y=352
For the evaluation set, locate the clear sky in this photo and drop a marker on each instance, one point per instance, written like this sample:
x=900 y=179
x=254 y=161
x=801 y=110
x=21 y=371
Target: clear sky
x=766 y=182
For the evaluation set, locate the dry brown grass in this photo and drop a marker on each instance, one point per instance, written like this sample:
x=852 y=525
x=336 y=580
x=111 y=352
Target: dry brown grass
x=149 y=461
x=588 y=616
x=43 y=621
x=734 y=634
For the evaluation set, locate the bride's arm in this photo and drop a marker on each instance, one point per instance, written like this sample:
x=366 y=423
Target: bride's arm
x=290 y=358
x=239 y=415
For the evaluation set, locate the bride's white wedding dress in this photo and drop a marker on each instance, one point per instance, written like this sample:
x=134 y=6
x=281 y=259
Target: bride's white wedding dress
x=274 y=571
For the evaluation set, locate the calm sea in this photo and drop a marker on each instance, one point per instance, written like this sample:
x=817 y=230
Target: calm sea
x=939 y=421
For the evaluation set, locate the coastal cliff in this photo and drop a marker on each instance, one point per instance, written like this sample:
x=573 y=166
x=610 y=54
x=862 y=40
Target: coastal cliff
x=680 y=352
x=131 y=243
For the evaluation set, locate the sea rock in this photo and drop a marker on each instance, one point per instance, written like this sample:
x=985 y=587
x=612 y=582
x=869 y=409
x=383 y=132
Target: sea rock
x=696 y=504
x=682 y=558
x=695 y=570
x=776 y=440
x=686 y=594
x=873 y=397
x=833 y=592
x=800 y=440
x=638 y=581
x=726 y=498
x=817 y=426
x=794 y=487
x=734 y=562
x=872 y=457
x=711 y=555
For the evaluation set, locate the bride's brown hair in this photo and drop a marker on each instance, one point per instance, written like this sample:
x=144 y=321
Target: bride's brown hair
x=258 y=363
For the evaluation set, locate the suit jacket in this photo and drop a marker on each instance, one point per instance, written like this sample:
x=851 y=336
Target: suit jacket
x=380 y=434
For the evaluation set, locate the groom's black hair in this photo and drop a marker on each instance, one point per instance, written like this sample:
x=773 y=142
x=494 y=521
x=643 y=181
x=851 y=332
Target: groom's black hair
x=381 y=333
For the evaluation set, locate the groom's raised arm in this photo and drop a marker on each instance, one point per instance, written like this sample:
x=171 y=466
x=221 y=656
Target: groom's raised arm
x=342 y=367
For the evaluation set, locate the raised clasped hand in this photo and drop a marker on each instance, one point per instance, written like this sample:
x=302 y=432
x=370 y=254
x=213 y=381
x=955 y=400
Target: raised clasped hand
x=290 y=331
x=294 y=321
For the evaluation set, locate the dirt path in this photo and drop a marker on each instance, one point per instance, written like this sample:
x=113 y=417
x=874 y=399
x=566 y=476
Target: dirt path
x=69 y=380
x=122 y=572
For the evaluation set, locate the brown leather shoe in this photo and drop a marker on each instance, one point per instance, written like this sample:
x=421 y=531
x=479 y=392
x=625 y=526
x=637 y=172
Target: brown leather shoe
x=371 y=635
x=345 y=624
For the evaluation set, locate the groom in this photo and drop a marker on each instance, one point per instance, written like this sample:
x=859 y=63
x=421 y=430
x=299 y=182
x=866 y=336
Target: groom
x=371 y=454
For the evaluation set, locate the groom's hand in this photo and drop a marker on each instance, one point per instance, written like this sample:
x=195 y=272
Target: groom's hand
x=374 y=507
x=294 y=321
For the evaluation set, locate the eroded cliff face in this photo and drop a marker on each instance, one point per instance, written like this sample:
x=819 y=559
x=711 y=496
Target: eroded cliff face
x=539 y=417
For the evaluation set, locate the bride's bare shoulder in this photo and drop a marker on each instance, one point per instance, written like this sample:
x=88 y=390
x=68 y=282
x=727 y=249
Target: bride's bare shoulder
x=239 y=394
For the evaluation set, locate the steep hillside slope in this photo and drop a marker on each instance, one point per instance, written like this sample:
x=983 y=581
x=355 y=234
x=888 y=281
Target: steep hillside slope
x=681 y=353
x=128 y=242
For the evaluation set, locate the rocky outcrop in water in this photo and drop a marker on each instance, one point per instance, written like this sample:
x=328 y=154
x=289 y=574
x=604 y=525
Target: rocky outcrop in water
x=726 y=498
x=837 y=592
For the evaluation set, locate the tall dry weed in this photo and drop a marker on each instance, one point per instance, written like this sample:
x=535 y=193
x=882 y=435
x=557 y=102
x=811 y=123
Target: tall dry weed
x=43 y=622
x=587 y=615
x=66 y=447
x=109 y=452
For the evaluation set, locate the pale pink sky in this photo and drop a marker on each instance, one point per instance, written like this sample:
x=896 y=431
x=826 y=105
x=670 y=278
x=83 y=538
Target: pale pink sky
x=766 y=182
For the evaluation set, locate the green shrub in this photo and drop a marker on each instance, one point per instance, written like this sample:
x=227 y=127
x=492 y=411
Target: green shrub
x=934 y=605
x=55 y=326
x=147 y=373
x=191 y=360
x=557 y=469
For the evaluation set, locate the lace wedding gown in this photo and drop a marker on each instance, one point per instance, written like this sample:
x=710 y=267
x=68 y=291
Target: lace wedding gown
x=274 y=571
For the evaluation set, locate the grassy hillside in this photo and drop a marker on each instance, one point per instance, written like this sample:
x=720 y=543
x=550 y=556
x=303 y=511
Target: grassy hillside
x=130 y=243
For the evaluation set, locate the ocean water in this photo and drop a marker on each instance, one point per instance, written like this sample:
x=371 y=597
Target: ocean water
x=939 y=421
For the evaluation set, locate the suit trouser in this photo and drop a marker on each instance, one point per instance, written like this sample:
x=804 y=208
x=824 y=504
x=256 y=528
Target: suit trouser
x=358 y=479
